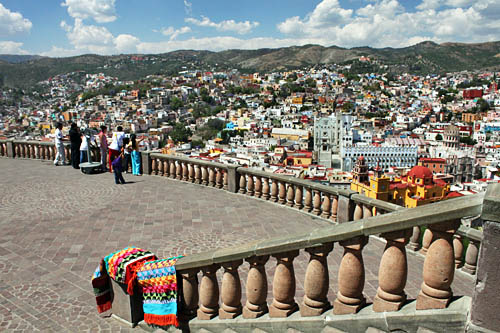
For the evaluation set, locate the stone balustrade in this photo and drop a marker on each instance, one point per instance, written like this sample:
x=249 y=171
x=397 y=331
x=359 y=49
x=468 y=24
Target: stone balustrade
x=442 y=218
x=40 y=150
x=353 y=218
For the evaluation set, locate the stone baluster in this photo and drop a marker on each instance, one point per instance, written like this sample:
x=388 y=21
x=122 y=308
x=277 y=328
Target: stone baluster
x=225 y=181
x=358 y=212
x=335 y=205
x=191 y=172
x=392 y=273
x=67 y=154
x=274 y=191
x=178 y=170
x=2 y=149
x=154 y=166
x=426 y=241
x=160 y=167
x=415 y=239
x=17 y=150
x=185 y=171
x=197 y=174
x=243 y=183
x=439 y=267
x=31 y=151
x=258 y=186
x=471 y=257
x=458 y=250
x=29 y=147
x=42 y=152
x=298 y=197
x=290 y=195
x=36 y=151
x=23 y=150
x=166 y=168
x=281 y=192
x=219 y=178
x=53 y=152
x=230 y=291
x=367 y=211
x=308 y=200
x=316 y=282
x=189 y=296
x=204 y=175
x=211 y=177
x=265 y=189
x=172 y=169
x=326 y=206
x=250 y=185
x=256 y=288
x=317 y=203
x=284 y=286
x=351 y=279
x=209 y=293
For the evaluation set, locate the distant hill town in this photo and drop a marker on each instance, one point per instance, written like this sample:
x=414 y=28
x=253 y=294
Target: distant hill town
x=423 y=58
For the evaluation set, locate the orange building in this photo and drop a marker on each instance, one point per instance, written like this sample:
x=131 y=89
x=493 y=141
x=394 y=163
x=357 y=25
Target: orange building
x=436 y=165
x=415 y=189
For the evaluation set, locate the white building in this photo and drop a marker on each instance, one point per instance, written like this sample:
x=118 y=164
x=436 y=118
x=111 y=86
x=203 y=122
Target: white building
x=385 y=157
x=328 y=137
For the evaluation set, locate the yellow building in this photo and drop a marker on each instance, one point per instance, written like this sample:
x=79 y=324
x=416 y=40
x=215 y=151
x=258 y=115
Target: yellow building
x=417 y=188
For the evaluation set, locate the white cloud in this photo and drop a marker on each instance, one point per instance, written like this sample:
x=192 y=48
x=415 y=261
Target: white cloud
x=188 y=7
x=241 y=28
x=89 y=38
x=125 y=43
x=10 y=47
x=386 y=23
x=429 y=4
x=174 y=33
x=12 y=23
x=101 y=11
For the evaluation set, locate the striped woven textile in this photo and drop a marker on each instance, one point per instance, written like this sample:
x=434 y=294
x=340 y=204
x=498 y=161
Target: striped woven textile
x=158 y=280
x=121 y=266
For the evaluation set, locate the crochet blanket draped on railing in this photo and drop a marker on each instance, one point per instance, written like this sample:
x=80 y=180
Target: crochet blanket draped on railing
x=157 y=280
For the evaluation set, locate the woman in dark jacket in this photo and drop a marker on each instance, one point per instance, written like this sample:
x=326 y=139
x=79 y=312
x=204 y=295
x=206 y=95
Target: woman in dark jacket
x=76 y=140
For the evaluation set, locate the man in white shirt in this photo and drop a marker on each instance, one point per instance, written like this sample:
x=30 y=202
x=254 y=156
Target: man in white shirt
x=58 y=140
x=116 y=145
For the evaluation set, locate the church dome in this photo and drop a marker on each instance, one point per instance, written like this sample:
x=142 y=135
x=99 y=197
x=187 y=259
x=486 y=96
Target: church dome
x=420 y=172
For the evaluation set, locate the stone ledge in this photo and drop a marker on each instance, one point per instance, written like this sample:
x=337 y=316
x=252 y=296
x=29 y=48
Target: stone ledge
x=408 y=319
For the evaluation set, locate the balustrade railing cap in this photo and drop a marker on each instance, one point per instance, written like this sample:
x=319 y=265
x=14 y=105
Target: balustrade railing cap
x=491 y=204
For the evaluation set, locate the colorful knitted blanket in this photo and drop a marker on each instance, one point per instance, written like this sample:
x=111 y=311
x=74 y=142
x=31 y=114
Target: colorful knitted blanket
x=121 y=266
x=158 y=280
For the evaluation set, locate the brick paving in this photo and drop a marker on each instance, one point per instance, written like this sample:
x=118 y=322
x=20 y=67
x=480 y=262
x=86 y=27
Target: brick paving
x=56 y=223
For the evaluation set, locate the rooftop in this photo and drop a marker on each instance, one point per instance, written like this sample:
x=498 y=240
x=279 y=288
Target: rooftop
x=57 y=223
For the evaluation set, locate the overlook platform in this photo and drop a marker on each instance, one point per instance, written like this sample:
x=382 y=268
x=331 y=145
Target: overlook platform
x=56 y=223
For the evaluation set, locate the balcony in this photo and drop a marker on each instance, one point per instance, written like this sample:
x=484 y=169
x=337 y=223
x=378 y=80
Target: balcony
x=262 y=251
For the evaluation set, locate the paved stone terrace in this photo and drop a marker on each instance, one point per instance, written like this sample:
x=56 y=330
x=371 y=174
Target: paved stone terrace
x=56 y=223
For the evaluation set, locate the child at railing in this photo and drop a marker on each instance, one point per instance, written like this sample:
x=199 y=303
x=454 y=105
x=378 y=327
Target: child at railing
x=117 y=168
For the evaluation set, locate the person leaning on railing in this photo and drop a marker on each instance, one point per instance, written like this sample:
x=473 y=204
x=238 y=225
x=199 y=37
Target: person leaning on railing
x=103 y=146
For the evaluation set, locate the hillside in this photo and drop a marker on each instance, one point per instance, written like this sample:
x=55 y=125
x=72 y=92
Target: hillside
x=425 y=57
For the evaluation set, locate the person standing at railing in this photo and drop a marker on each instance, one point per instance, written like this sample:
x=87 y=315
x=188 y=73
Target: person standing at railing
x=103 y=146
x=135 y=155
x=76 y=140
x=59 y=143
x=116 y=145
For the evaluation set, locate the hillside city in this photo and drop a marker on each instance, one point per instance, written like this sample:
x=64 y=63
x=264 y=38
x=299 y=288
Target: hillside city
x=323 y=123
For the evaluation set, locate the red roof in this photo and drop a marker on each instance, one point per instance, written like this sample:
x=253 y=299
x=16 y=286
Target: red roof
x=454 y=194
x=420 y=172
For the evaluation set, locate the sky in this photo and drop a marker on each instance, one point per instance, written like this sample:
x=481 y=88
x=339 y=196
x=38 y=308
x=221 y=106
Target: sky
x=60 y=28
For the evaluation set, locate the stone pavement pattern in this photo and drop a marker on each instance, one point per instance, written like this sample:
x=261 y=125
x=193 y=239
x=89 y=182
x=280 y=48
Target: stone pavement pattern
x=57 y=223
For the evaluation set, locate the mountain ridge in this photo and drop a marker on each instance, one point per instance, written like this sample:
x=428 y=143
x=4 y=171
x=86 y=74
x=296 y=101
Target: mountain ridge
x=424 y=57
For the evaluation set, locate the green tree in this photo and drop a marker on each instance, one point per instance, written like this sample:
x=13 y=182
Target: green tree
x=468 y=140
x=176 y=103
x=180 y=133
x=439 y=137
